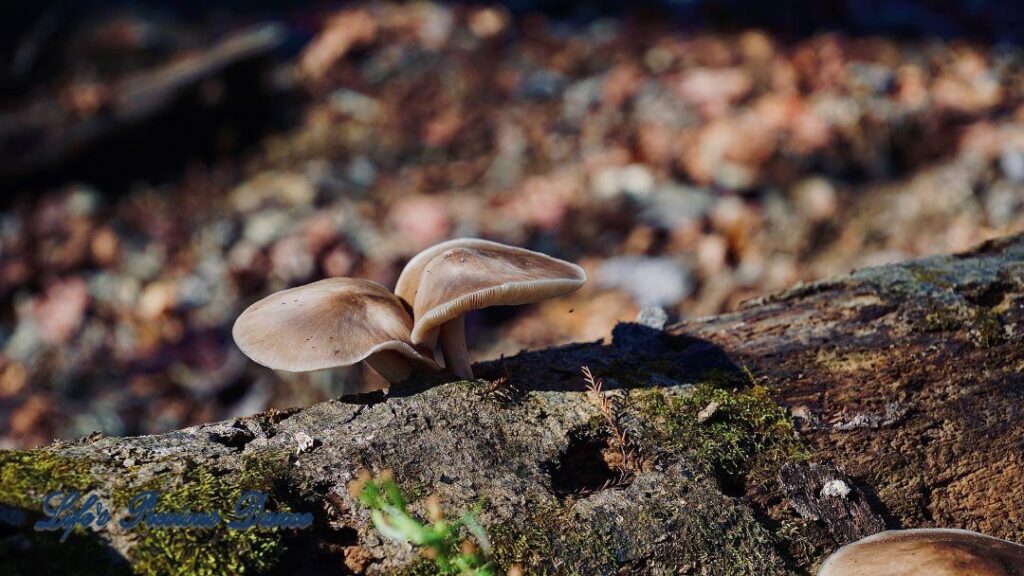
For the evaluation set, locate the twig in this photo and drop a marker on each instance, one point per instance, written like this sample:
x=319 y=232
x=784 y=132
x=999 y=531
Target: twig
x=630 y=460
x=503 y=388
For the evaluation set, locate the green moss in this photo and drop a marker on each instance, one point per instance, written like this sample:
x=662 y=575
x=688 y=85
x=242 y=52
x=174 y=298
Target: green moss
x=216 y=550
x=27 y=476
x=728 y=541
x=747 y=432
x=518 y=544
x=981 y=325
x=929 y=276
x=715 y=538
x=535 y=541
x=942 y=320
x=265 y=470
x=986 y=330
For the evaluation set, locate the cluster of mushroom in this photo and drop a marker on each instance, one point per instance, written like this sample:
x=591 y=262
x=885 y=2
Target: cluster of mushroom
x=927 y=552
x=342 y=321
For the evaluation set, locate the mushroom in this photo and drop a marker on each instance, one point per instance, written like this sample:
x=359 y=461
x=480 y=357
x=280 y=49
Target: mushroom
x=446 y=281
x=926 y=552
x=328 y=324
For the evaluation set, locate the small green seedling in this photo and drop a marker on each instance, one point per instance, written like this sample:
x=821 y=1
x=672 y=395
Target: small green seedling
x=439 y=540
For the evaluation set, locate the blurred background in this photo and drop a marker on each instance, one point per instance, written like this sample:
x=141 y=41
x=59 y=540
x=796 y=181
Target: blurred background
x=162 y=166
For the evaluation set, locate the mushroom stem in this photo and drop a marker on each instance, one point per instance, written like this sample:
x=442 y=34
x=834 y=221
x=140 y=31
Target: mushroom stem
x=391 y=365
x=431 y=344
x=453 y=342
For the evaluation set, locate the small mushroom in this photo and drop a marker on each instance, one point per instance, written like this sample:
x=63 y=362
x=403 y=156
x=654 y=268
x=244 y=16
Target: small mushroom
x=446 y=281
x=926 y=552
x=327 y=324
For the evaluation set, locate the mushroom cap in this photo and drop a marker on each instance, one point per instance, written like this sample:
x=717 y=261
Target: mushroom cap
x=326 y=324
x=926 y=552
x=454 y=277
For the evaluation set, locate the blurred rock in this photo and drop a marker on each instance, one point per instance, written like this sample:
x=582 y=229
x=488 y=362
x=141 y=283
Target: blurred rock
x=543 y=201
x=870 y=78
x=620 y=84
x=1011 y=162
x=757 y=46
x=673 y=205
x=434 y=26
x=342 y=32
x=714 y=91
x=157 y=298
x=542 y=85
x=29 y=418
x=266 y=226
x=736 y=221
x=711 y=255
x=105 y=247
x=291 y=261
x=143 y=262
x=282 y=188
x=660 y=282
x=634 y=180
x=1003 y=203
x=361 y=171
x=488 y=22
x=421 y=221
x=731 y=151
x=13 y=378
x=246 y=257
x=653 y=317
x=355 y=105
x=59 y=313
x=815 y=198
x=338 y=262
x=582 y=96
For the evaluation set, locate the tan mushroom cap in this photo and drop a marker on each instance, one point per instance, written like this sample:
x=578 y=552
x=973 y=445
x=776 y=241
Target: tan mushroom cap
x=326 y=324
x=448 y=280
x=927 y=552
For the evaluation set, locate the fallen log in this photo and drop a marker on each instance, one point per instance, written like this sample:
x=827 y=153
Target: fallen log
x=755 y=442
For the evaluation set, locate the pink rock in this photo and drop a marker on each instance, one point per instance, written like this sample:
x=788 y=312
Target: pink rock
x=711 y=255
x=60 y=311
x=420 y=220
x=319 y=232
x=544 y=201
x=157 y=297
x=746 y=141
x=342 y=32
x=488 y=22
x=816 y=199
x=442 y=129
x=714 y=90
x=756 y=45
x=291 y=260
x=338 y=262
x=620 y=84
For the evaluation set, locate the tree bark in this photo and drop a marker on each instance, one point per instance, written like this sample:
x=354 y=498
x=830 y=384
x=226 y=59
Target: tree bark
x=755 y=442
